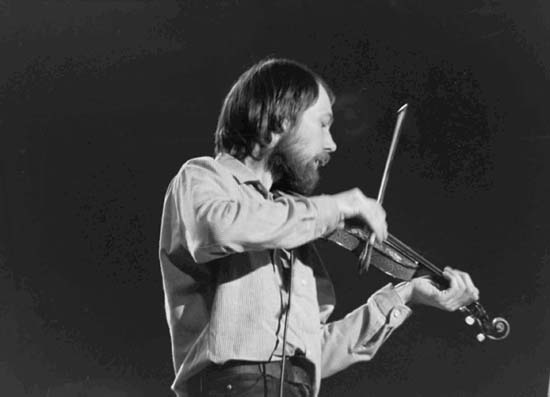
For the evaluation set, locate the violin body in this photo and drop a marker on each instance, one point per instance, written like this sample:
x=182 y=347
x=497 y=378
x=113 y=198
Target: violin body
x=384 y=257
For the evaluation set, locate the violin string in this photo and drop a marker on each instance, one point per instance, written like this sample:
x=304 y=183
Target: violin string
x=403 y=250
x=400 y=250
x=416 y=256
x=402 y=247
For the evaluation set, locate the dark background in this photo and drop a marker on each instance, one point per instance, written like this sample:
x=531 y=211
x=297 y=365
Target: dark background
x=102 y=101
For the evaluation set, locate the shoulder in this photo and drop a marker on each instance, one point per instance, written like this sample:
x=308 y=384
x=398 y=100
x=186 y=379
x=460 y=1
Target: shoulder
x=204 y=166
x=202 y=171
x=198 y=163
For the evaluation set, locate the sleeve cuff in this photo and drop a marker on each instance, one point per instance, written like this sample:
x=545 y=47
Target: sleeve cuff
x=391 y=305
x=328 y=214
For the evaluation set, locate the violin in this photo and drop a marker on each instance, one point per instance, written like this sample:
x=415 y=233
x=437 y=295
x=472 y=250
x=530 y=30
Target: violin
x=400 y=261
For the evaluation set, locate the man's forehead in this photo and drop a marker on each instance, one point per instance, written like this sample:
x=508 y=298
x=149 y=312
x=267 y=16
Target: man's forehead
x=323 y=105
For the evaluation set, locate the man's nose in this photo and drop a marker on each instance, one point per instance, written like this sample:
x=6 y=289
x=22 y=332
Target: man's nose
x=329 y=144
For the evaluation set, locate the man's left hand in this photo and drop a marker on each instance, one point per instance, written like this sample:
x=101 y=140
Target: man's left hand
x=461 y=291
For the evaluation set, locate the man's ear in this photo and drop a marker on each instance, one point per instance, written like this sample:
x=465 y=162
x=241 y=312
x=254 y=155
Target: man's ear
x=275 y=137
x=286 y=125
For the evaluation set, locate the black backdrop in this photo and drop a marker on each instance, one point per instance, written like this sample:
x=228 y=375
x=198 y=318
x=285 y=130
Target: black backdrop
x=101 y=101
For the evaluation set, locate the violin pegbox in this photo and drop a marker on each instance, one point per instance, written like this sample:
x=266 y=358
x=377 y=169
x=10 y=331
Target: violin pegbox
x=496 y=329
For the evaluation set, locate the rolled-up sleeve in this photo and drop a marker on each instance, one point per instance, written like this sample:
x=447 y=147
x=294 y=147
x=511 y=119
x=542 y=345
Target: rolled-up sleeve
x=222 y=216
x=358 y=336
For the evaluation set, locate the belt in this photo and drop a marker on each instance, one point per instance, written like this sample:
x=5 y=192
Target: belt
x=297 y=370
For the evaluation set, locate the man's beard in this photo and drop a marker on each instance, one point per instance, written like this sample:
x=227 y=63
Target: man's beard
x=293 y=171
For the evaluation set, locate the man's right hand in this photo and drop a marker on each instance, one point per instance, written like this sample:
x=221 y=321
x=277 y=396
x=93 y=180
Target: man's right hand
x=354 y=204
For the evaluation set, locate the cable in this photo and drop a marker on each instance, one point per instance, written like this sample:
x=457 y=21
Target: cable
x=283 y=362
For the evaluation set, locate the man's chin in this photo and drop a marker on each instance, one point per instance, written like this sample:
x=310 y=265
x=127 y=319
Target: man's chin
x=302 y=186
x=301 y=181
x=310 y=184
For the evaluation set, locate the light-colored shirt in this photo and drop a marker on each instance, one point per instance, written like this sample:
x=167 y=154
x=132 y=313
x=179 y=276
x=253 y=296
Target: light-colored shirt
x=224 y=243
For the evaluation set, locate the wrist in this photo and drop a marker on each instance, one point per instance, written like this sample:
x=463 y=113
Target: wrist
x=404 y=290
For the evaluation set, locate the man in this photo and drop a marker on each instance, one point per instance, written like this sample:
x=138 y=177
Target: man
x=247 y=296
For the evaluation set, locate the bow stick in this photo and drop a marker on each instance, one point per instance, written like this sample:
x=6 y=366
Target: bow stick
x=366 y=254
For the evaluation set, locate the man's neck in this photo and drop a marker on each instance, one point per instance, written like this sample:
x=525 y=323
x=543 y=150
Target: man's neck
x=259 y=167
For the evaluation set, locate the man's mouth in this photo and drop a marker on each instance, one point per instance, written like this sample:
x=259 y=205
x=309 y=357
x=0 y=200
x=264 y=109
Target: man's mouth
x=322 y=160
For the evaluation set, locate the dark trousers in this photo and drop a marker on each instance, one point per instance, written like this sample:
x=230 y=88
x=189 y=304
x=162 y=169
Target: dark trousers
x=239 y=378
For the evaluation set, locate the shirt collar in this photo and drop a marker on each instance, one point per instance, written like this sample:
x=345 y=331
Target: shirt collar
x=241 y=172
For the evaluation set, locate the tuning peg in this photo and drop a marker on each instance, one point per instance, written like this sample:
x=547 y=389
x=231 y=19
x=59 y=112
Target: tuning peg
x=469 y=320
x=480 y=337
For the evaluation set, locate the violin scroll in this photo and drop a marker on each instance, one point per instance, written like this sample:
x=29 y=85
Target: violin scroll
x=496 y=329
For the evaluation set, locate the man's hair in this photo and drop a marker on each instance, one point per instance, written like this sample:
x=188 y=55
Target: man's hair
x=267 y=98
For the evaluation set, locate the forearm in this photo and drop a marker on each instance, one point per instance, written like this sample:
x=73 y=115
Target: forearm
x=359 y=335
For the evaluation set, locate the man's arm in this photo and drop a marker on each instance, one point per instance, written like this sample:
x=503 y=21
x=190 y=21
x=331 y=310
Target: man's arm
x=358 y=336
x=221 y=218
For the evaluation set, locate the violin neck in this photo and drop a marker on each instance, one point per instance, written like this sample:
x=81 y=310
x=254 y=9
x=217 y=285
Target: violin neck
x=428 y=267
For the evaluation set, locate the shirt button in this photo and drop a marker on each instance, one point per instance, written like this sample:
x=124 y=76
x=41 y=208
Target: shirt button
x=304 y=282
